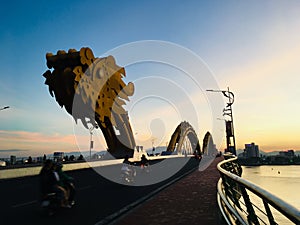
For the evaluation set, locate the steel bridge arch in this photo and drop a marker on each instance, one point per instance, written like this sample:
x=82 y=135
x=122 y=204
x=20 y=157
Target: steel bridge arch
x=184 y=140
x=208 y=147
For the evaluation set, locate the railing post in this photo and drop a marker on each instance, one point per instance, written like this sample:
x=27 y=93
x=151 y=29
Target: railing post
x=252 y=217
x=229 y=187
x=269 y=213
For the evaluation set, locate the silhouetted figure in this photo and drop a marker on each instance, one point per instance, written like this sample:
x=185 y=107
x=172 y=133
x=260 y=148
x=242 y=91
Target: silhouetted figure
x=72 y=158
x=29 y=160
x=46 y=178
x=126 y=160
x=44 y=158
x=144 y=161
x=67 y=182
x=197 y=156
x=80 y=157
x=66 y=158
x=49 y=182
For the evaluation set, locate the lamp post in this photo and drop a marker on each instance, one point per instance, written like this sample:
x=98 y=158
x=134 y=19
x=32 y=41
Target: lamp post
x=6 y=107
x=227 y=111
x=228 y=142
x=153 y=148
x=91 y=139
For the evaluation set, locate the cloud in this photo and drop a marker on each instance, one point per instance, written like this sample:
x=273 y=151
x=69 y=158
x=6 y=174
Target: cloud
x=265 y=71
x=13 y=150
x=23 y=143
x=34 y=142
x=37 y=137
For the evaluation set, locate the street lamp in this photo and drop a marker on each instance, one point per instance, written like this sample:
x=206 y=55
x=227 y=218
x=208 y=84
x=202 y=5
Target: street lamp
x=91 y=139
x=227 y=111
x=153 y=148
x=6 y=107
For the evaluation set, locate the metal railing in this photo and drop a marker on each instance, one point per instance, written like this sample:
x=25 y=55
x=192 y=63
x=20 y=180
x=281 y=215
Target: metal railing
x=242 y=202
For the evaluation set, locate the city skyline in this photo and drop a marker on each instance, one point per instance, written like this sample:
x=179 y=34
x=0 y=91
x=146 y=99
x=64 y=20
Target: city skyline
x=253 y=48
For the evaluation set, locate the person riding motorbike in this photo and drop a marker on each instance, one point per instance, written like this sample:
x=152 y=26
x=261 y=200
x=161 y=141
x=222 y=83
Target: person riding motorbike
x=144 y=163
x=50 y=183
x=127 y=171
x=67 y=182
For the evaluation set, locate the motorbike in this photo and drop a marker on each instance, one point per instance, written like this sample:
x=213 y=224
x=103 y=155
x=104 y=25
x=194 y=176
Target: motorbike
x=51 y=202
x=145 y=168
x=128 y=173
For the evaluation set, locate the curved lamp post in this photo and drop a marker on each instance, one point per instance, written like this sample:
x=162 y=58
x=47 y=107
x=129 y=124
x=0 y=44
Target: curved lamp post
x=227 y=111
x=91 y=139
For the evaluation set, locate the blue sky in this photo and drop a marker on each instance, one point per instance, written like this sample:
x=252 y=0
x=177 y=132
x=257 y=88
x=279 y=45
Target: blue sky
x=253 y=47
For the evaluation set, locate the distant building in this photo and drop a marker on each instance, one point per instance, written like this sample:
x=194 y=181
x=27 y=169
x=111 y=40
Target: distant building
x=251 y=150
x=288 y=153
x=250 y=156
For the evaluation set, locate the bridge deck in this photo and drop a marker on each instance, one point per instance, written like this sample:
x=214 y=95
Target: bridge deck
x=191 y=200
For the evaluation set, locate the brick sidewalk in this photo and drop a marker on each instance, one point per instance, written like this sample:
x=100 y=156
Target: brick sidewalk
x=191 y=200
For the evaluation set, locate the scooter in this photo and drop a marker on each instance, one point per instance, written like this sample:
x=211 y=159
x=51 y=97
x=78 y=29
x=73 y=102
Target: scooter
x=145 y=168
x=127 y=174
x=51 y=203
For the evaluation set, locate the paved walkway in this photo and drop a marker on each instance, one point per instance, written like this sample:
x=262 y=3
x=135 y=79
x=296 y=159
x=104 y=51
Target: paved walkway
x=191 y=200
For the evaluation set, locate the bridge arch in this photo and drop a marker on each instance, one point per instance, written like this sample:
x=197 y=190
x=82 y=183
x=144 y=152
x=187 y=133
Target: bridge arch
x=184 y=140
x=208 y=147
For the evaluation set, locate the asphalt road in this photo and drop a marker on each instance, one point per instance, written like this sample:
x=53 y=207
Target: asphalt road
x=97 y=197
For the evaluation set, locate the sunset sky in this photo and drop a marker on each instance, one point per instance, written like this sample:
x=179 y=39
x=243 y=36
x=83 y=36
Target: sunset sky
x=253 y=47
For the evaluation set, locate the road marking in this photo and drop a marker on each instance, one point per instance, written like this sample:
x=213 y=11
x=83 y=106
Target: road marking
x=24 y=204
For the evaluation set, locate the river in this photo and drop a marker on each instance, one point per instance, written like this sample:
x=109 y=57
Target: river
x=282 y=181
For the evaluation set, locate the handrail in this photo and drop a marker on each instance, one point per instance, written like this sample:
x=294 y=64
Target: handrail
x=228 y=205
x=284 y=208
